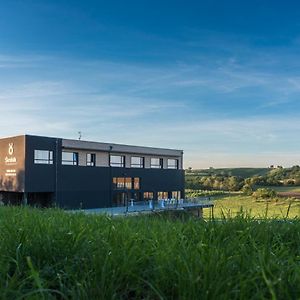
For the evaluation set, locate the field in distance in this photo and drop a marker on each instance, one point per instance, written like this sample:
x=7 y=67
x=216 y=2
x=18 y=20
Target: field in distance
x=234 y=205
x=239 y=172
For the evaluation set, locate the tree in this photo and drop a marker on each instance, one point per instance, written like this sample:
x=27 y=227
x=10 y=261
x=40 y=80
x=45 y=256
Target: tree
x=264 y=194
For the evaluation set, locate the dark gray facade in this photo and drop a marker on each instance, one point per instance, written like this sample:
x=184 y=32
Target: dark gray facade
x=22 y=179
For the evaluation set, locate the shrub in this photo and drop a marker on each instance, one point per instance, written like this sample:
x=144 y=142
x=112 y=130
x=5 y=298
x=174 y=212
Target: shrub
x=264 y=193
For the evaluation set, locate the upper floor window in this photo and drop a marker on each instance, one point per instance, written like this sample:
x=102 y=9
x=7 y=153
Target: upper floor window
x=137 y=162
x=91 y=159
x=117 y=161
x=156 y=163
x=69 y=158
x=43 y=157
x=172 y=163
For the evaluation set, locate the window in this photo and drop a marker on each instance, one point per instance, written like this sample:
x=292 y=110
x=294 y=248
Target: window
x=176 y=195
x=117 y=161
x=136 y=183
x=128 y=183
x=137 y=162
x=162 y=195
x=172 y=163
x=91 y=159
x=69 y=158
x=156 y=163
x=148 y=195
x=43 y=157
x=122 y=183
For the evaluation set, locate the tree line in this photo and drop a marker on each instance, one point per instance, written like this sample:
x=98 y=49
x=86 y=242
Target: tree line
x=274 y=177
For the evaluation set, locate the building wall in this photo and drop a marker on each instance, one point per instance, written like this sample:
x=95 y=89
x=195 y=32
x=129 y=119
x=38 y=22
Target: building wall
x=102 y=158
x=12 y=164
x=90 y=187
x=39 y=177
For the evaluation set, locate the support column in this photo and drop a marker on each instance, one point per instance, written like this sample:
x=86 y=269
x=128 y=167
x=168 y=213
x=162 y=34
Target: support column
x=25 y=198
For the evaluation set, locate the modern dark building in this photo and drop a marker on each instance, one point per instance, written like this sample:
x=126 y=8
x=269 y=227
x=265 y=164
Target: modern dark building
x=68 y=173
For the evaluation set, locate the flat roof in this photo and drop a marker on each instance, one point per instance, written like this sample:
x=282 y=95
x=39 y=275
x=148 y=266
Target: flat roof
x=115 y=148
x=110 y=147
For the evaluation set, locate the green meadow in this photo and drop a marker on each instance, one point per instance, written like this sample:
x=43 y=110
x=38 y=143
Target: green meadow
x=235 y=205
x=52 y=254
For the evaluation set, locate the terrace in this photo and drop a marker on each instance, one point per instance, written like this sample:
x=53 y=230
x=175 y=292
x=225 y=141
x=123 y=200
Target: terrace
x=195 y=205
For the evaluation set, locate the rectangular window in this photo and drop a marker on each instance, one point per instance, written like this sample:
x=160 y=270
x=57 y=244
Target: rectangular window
x=127 y=183
x=162 y=195
x=172 y=163
x=148 y=195
x=117 y=161
x=137 y=162
x=43 y=157
x=122 y=183
x=176 y=195
x=156 y=163
x=69 y=158
x=136 y=183
x=91 y=159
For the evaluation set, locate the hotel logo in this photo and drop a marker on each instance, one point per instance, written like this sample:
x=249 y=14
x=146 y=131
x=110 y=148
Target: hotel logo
x=11 y=148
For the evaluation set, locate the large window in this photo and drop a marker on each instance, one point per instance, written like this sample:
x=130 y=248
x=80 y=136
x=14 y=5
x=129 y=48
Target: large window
x=69 y=158
x=176 y=195
x=91 y=159
x=172 y=163
x=137 y=162
x=43 y=157
x=117 y=161
x=148 y=195
x=126 y=183
x=156 y=163
x=136 y=183
x=162 y=195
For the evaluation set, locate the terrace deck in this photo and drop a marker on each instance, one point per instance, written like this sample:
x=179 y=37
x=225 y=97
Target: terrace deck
x=146 y=207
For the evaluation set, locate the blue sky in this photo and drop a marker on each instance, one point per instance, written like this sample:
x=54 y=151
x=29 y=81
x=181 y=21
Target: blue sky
x=219 y=79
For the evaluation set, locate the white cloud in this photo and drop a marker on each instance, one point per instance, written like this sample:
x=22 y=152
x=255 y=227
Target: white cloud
x=151 y=105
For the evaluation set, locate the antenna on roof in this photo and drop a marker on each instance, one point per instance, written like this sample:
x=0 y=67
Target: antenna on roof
x=79 y=135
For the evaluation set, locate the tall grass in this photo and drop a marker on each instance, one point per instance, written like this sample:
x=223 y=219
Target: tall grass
x=50 y=254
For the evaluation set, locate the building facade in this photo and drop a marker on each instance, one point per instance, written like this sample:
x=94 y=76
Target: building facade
x=80 y=174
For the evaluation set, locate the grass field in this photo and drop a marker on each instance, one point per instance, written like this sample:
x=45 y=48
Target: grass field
x=239 y=172
x=283 y=188
x=276 y=208
x=51 y=254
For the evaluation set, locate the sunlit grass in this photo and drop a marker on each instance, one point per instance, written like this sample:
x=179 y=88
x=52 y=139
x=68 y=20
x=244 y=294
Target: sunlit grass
x=50 y=254
x=275 y=208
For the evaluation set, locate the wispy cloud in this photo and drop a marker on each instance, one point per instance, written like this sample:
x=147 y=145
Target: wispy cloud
x=191 y=106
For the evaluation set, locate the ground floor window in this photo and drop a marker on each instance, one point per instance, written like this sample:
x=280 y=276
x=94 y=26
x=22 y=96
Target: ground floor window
x=162 y=195
x=128 y=183
x=119 y=199
x=148 y=195
x=176 y=195
x=136 y=196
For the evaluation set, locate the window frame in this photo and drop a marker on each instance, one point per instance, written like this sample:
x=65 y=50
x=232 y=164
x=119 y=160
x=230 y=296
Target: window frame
x=155 y=166
x=171 y=166
x=115 y=164
x=43 y=161
x=92 y=162
x=139 y=165
x=73 y=162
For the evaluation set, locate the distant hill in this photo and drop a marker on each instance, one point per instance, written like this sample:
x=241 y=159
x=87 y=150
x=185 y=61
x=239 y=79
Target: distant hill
x=239 y=172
